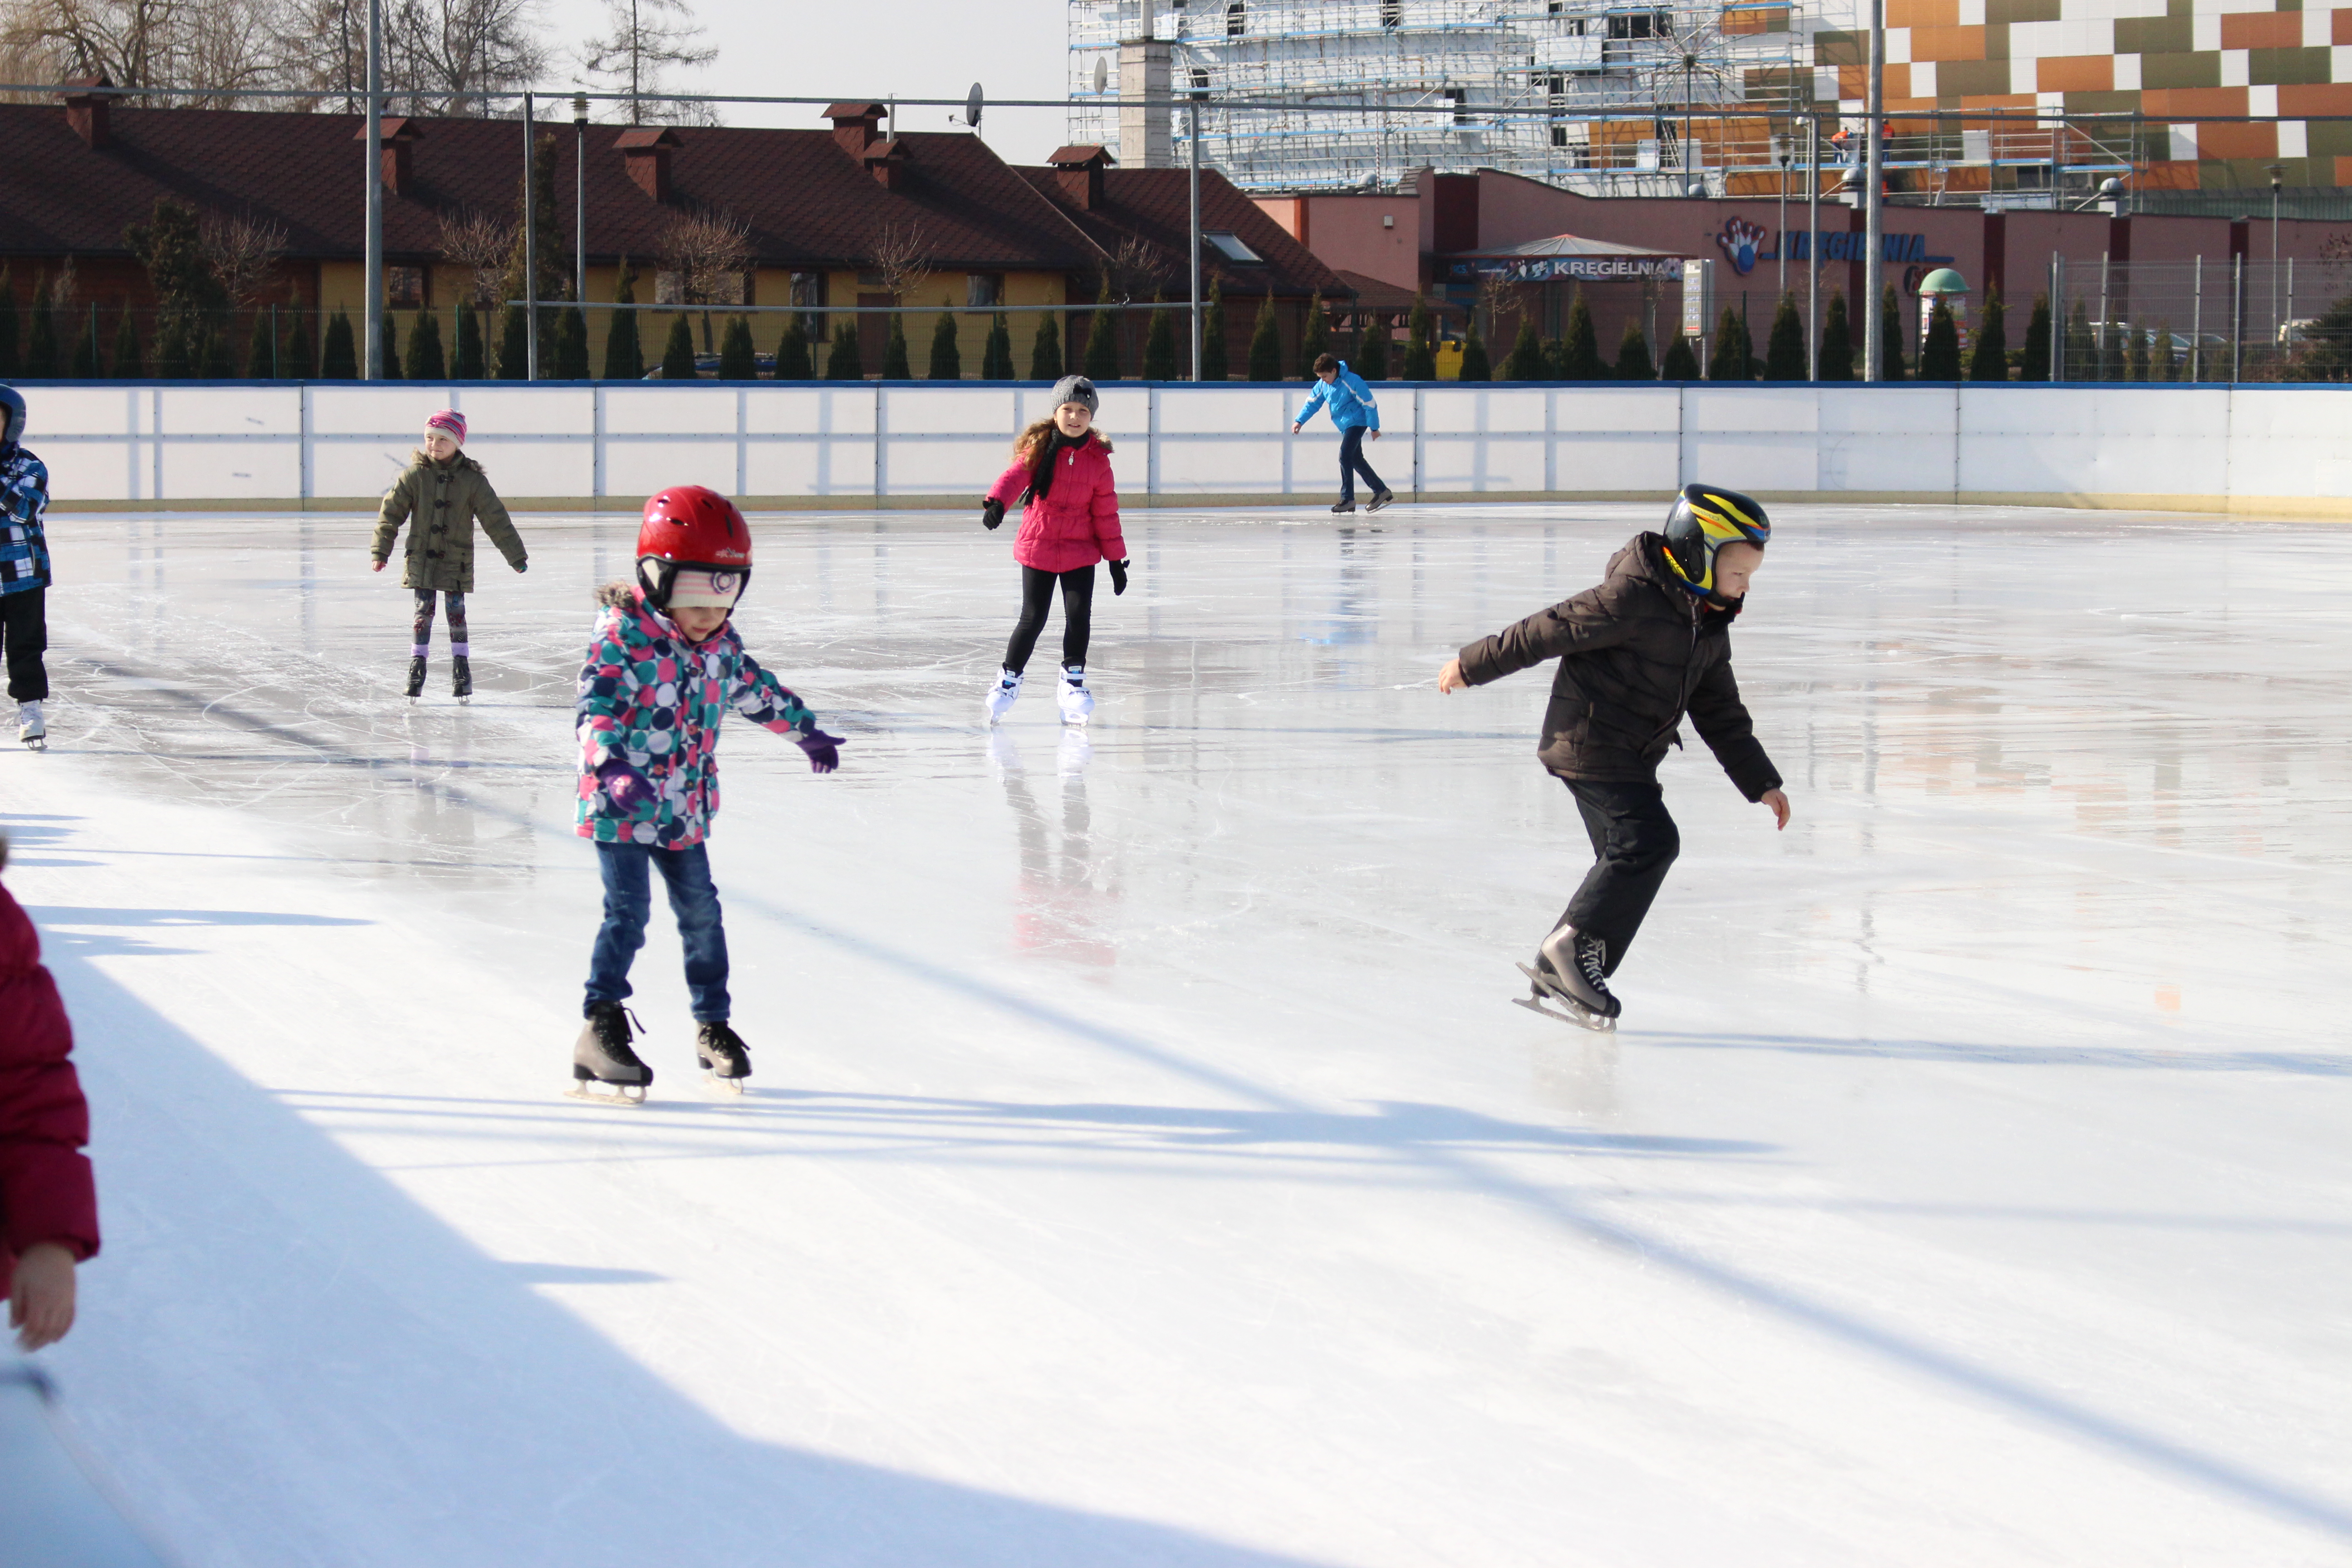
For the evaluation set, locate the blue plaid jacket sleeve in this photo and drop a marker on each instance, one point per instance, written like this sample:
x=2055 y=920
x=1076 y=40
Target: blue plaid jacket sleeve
x=24 y=547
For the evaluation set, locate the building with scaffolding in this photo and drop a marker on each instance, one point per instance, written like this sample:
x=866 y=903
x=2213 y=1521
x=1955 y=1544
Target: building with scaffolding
x=2000 y=103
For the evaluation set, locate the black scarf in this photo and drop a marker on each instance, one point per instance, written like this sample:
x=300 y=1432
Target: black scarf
x=1041 y=476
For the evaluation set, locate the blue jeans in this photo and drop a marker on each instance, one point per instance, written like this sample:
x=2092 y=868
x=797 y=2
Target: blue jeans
x=628 y=904
x=1351 y=461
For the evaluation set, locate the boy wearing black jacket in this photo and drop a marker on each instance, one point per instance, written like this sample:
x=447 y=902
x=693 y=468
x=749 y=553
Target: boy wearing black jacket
x=1650 y=644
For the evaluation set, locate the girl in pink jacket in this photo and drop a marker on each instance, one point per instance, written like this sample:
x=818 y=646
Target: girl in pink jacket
x=1069 y=521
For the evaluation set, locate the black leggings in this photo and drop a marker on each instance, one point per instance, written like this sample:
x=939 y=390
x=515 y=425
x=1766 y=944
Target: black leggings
x=25 y=629
x=1036 y=598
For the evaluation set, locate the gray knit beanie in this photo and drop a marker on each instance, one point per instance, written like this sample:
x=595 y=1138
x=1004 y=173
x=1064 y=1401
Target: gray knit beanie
x=1079 y=390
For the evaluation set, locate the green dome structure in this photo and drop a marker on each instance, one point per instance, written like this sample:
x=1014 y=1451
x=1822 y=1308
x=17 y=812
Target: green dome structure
x=1943 y=280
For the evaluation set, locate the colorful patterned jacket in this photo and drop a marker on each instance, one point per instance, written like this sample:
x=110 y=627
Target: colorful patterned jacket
x=655 y=699
x=23 y=498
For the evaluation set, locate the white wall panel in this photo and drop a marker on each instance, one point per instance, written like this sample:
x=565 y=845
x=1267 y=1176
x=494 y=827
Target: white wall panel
x=799 y=411
x=83 y=411
x=657 y=410
x=943 y=411
x=397 y=409
x=1614 y=461
x=92 y=470
x=524 y=468
x=1754 y=461
x=1229 y=465
x=639 y=468
x=364 y=469
x=232 y=470
x=1646 y=410
x=1761 y=409
x=963 y=465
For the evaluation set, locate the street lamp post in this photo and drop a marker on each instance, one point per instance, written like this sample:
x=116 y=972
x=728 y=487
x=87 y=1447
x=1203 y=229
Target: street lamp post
x=2277 y=173
x=371 y=355
x=1780 y=150
x=1873 y=224
x=1814 y=247
x=580 y=204
x=1194 y=181
x=529 y=246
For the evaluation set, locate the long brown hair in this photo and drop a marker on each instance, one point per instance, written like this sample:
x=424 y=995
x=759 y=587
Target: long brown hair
x=1031 y=445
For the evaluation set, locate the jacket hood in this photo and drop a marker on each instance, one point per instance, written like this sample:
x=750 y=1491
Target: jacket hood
x=617 y=596
x=20 y=945
x=460 y=463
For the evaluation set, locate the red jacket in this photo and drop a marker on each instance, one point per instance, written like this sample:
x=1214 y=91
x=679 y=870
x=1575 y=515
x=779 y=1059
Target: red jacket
x=46 y=1191
x=1074 y=525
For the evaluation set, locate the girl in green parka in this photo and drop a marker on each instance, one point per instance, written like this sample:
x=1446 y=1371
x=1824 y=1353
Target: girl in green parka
x=443 y=494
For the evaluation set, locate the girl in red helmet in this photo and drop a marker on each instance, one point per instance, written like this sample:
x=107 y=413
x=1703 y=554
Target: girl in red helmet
x=663 y=667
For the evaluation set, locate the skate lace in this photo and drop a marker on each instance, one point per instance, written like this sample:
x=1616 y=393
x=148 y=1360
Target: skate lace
x=1592 y=959
x=614 y=1028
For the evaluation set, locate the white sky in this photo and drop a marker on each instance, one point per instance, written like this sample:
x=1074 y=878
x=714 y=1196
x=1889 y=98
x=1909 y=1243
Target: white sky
x=914 y=48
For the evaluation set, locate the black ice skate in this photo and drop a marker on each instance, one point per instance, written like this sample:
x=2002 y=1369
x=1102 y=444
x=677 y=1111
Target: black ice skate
x=1343 y=506
x=416 y=678
x=1571 y=969
x=601 y=1056
x=724 y=1057
x=461 y=678
x=1380 y=501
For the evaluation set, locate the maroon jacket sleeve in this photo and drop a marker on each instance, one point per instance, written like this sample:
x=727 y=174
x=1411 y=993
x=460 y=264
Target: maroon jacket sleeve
x=46 y=1190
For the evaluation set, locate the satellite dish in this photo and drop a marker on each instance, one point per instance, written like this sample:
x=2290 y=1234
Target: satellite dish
x=972 y=107
x=1102 y=73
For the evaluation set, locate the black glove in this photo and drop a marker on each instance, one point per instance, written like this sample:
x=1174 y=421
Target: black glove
x=1117 y=578
x=991 y=513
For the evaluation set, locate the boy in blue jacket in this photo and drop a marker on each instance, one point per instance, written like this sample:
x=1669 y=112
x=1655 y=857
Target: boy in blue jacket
x=24 y=572
x=1353 y=411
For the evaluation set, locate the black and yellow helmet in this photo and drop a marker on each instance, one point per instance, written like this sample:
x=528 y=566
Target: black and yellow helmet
x=1704 y=517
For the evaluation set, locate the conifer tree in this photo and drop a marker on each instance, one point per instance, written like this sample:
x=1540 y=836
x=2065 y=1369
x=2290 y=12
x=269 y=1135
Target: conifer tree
x=339 y=356
x=426 y=359
x=1102 y=347
x=1216 y=354
x=1732 y=357
x=1681 y=361
x=895 y=364
x=571 y=344
x=190 y=303
x=996 y=359
x=1633 y=354
x=738 y=360
x=947 y=359
x=2081 y=346
x=793 y=361
x=41 y=339
x=1315 y=337
x=625 y=353
x=1988 y=353
x=260 y=350
x=298 y=360
x=1420 y=343
x=1265 y=344
x=1160 y=348
x=1372 y=360
x=1580 y=346
x=1893 y=366
x=1837 y=339
x=2033 y=358
x=470 y=363
x=1784 y=351
x=678 y=352
x=1939 y=356
x=11 y=353
x=846 y=360
x=2113 y=365
x=85 y=362
x=1046 y=353
x=1525 y=362
x=2134 y=354
x=2163 y=362
x=391 y=347
x=514 y=345
x=125 y=365
x=1476 y=367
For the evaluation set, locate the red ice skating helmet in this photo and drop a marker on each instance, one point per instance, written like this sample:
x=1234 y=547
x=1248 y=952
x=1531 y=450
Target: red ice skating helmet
x=693 y=528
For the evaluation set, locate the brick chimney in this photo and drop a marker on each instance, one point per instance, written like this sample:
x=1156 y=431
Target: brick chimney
x=1079 y=172
x=86 y=112
x=646 y=150
x=886 y=161
x=857 y=126
x=399 y=136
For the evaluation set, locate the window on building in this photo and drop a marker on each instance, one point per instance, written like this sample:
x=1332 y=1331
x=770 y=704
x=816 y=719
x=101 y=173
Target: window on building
x=983 y=290
x=1459 y=97
x=1236 y=19
x=404 y=288
x=1391 y=14
x=1200 y=86
x=1231 y=247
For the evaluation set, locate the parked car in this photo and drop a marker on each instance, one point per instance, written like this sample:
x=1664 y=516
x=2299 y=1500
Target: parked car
x=707 y=367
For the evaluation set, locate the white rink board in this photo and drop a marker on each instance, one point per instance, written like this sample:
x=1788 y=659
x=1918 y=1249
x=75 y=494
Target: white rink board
x=159 y=443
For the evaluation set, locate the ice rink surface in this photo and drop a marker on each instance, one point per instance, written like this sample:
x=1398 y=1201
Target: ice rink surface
x=1145 y=1164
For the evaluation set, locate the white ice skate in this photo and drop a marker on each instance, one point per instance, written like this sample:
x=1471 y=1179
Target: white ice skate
x=1078 y=702
x=1001 y=696
x=30 y=728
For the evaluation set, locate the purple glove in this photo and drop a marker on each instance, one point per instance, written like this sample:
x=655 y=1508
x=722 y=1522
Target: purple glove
x=824 y=750
x=625 y=787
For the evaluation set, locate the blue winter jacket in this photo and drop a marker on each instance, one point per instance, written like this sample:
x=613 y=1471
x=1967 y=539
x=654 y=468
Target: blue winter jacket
x=23 y=498
x=1349 y=400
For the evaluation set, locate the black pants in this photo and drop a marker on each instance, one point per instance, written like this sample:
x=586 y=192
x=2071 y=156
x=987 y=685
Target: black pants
x=1634 y=843
x=1036 y=598
x=422 y=627
x=25 y=630
x=1351 y=463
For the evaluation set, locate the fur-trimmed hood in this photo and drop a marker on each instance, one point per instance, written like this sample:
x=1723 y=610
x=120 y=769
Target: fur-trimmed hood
x=617 y=596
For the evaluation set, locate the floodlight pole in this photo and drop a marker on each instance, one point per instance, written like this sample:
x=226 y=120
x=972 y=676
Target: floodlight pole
x=529 y=249
x=579 y=207
x=1195 y=184
x=371 y=355
x=1814 y=247
x=1874 y=222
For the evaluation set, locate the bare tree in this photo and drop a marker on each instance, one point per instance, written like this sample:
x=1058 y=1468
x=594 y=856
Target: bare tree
x=1138 y=269
x=903 y=258
x=450 y=54
x=242 y=252
x=478 y=241
x=133 y=43
x=703 y=256
x=646 y=39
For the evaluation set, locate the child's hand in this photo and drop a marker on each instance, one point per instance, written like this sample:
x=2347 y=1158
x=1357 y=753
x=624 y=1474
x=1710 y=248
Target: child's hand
x=991 y=513
x=41 y=1296
x=377 y=567
x=1117 y=578
x=1779 y=804
x=824 y=750
x=1450 y=677
x=625 y=787
x=1294 y=430
x=521 y=567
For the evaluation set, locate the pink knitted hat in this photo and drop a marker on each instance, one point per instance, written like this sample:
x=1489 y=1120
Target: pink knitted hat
x=452 y=421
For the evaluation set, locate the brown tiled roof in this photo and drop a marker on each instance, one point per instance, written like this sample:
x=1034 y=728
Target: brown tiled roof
x=809 y=201
x=1376 y=293
x=1155 y=205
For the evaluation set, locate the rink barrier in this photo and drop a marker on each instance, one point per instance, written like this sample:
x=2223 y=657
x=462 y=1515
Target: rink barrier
x=210 y=446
